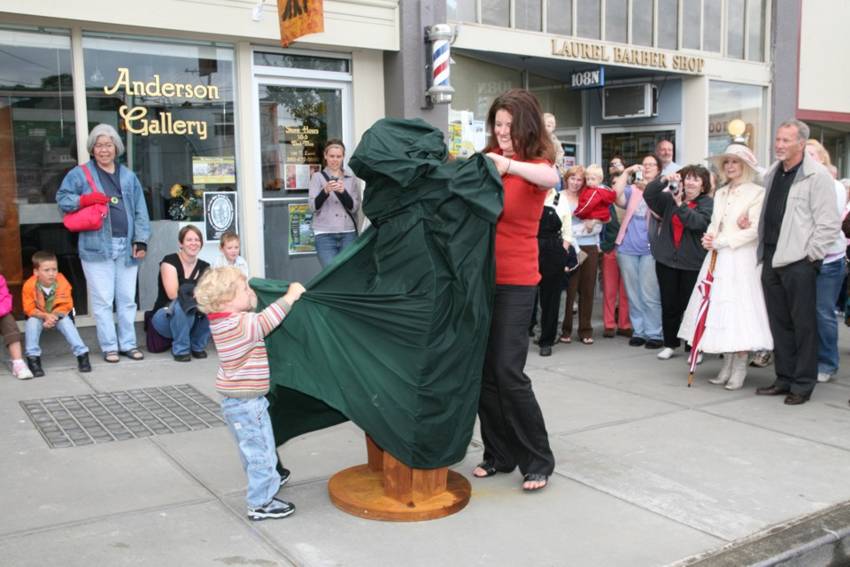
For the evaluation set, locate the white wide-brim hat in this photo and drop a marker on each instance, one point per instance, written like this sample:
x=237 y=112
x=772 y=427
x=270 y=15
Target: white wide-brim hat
x=740 y=152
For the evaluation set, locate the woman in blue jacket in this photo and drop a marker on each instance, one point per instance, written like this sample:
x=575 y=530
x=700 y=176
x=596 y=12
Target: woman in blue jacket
x=111 y=255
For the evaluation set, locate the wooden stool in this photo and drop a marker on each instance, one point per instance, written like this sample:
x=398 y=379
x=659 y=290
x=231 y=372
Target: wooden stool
x=386 y=489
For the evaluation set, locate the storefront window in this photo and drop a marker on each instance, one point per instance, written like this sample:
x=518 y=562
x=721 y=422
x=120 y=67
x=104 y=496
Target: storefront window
x=691 y=15
x=731 y=101
x=289 y=61
x=711 y=15
x=295 y=123
x=37 y=149
x=495 y=12
x=476 y=84
x=642 y=22
x=755 y=30
x=173 y=105
x=668 y=24
x=616 y=20
x=559 y=99
x=559 y=17
x=528 y=14
x=735 y=10
x=461 y=10
x=589 y=18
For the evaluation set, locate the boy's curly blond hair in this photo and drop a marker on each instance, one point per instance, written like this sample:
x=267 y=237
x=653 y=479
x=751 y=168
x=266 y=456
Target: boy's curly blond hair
x=216 y=287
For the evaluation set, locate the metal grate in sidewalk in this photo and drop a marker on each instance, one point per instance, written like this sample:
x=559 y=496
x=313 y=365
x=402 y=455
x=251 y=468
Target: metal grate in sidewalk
x=71 y=421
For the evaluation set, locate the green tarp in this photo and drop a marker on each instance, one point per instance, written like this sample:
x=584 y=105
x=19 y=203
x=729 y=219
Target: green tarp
x=392 y=335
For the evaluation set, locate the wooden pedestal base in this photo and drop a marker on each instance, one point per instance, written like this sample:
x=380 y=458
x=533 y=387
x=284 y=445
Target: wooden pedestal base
x=386 y=489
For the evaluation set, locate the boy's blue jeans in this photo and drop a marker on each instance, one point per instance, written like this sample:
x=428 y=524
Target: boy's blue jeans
x=65 y=325
x=248 y=420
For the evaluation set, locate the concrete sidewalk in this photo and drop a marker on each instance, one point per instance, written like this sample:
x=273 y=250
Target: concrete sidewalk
x=648 y=473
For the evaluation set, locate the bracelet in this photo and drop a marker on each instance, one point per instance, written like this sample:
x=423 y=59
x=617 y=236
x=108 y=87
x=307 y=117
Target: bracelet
x=508 y=170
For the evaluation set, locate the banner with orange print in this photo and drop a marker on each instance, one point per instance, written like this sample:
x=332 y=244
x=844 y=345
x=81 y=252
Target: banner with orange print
x=299 y=18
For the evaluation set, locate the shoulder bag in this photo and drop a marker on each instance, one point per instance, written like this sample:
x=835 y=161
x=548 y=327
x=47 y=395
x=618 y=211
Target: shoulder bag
x=86 y=218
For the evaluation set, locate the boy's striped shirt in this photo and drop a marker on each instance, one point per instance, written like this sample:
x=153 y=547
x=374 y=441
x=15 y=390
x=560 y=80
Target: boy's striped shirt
x=243 y=370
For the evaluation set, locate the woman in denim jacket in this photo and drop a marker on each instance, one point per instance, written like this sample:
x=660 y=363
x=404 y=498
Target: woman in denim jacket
x=111 y=255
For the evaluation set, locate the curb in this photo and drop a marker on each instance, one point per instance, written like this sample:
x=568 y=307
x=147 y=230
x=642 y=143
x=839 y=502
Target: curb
x=818 y=540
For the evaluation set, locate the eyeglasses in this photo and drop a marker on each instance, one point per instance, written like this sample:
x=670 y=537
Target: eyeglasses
x=106 y=146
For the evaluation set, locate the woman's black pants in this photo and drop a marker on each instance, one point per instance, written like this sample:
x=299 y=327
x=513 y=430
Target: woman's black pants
x=675 y=286
x=512 y=424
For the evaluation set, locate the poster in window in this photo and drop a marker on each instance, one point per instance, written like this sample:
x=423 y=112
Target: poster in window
x=219 y=214
x=301 y=156
x=301 y=239
x=213 y=170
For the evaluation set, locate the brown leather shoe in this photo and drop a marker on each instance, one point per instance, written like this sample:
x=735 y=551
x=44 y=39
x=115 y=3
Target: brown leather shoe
x=625 y=332
x=608 y=333
x=795 y=399
x=772 y=390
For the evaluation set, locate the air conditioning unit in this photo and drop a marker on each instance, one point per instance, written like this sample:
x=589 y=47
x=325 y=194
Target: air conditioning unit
x=629 y=101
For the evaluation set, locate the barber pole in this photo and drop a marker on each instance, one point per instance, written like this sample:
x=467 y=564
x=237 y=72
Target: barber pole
x=440 y=90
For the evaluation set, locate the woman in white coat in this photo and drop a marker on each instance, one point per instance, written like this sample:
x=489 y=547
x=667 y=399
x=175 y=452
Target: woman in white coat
x=737 y=318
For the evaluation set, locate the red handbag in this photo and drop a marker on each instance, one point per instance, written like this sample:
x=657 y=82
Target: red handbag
x=86 y=218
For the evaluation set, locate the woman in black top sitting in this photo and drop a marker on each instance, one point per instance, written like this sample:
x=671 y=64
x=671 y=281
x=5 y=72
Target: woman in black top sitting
x=176 y=315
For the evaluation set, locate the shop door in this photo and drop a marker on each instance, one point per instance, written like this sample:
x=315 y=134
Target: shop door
x=631 y=143
x=296 y=118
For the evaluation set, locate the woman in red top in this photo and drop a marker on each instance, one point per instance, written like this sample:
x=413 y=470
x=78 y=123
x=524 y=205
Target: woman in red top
x=512 y=424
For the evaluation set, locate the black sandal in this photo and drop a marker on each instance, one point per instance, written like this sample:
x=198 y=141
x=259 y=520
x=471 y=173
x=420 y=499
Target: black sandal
x=488 y=468
x=133 y=354
x=535 y=477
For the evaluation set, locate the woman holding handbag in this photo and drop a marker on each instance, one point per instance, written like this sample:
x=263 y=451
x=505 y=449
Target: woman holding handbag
x=111 y=253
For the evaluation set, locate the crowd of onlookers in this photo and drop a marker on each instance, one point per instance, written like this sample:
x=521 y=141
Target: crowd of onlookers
x=751 y=259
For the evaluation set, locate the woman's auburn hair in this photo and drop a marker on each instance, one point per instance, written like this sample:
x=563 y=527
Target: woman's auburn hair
x=528 y=133
x=697 y=172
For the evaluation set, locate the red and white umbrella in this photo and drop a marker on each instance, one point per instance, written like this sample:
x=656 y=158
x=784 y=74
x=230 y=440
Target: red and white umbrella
x=702 y=315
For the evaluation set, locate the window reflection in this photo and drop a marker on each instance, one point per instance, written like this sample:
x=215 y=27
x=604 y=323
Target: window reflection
x=559 y=17
x=589 y=18
x=668 y=24
x=642 y=21
x=728 y=101
x=691 y=15
x=173 y=106
x=37 y=149
x=616 y=12
x=755 y=25
x=495 y=12
x=294 y=125
x=735 y=28
x=528 y=14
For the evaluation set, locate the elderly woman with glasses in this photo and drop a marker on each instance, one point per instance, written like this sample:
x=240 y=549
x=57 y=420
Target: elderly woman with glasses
x=111 y=254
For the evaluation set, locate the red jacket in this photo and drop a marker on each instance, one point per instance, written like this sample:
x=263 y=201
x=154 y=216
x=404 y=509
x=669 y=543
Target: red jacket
x=594 y=203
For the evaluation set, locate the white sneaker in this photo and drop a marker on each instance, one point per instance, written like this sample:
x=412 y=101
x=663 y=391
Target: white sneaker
x=824 y=377
x=21 y=371
x=665 y=354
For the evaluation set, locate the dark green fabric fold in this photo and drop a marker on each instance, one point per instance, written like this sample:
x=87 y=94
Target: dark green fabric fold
x=392 y=334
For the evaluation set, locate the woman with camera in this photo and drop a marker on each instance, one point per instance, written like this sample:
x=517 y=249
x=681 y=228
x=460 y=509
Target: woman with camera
x=685 y=211
x=334 y=197
x=634 y=257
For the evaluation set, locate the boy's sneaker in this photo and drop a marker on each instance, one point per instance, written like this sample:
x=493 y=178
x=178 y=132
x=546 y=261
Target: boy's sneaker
x=83 y=364
x=284 y=474
x=34 y=363
x=20 y=370
x=274 y=509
